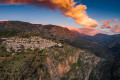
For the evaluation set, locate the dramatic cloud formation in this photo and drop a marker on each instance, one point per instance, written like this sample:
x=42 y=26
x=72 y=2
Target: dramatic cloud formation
x=113 y=28
x=87 y=31
x=67 y=7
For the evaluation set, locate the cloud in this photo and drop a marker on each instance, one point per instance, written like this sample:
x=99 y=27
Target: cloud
x=116 y=20
x=3 y=20
x=86 y=31
x=112 y=28
x=113 y=21
x=107 y=24
x=67 y=7
x=116 y=29
x=89 y=31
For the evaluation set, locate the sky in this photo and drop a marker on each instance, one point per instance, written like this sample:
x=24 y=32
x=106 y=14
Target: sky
x=98 y=10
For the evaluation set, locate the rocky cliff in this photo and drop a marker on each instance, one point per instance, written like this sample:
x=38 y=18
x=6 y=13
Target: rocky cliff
x=54 y=63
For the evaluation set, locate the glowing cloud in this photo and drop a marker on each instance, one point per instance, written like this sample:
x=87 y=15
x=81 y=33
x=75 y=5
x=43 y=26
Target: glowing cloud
x=116 y=29
x=86 y=31
x=116 y=20
x=90 y=32
x=106 y=24
x=3 y=20
x=112 y=28
x=67 y=7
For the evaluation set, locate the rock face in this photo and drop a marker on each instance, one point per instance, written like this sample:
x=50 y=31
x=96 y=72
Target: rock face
x=83 y=67
x=53 y=64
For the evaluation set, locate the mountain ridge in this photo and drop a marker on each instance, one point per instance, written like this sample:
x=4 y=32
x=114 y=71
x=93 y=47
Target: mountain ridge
x=101 y=46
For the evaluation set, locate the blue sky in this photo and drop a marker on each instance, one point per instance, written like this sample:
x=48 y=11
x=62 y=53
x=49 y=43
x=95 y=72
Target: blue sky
x=97 y=9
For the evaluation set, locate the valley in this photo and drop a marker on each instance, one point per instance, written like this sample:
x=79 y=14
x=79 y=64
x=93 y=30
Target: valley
x=51 y=52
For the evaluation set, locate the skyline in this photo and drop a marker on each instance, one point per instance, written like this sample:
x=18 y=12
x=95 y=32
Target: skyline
x=34 y=14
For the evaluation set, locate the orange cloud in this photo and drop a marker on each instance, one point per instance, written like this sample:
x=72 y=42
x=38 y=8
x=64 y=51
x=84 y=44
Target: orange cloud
x=67 y=7
x=110 y=21
x=3 y=20
x=90 y=32
x=113 y=21
x=116 y=29
x=106 y=24
x=116 y=20
x=70 y=28
x=112 y=28
x=86 y=31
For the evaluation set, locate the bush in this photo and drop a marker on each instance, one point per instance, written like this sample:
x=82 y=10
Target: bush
x=3 y=52
x=8 y=33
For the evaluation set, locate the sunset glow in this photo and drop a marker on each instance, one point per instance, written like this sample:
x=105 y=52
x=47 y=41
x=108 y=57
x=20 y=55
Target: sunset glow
x=72 y=9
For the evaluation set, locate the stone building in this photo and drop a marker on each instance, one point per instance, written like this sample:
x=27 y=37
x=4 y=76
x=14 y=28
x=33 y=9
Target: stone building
x=16 y=44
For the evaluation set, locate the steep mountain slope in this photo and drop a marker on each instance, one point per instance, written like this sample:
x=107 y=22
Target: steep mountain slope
x=52 y=64
x=114 y=47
